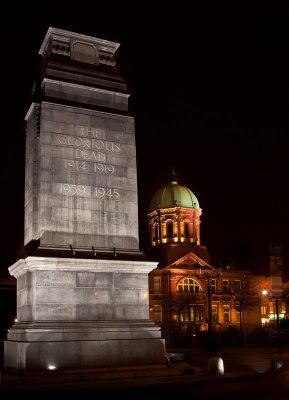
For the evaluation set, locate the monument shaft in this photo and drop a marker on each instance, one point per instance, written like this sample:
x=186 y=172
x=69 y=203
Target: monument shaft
x=81 y=180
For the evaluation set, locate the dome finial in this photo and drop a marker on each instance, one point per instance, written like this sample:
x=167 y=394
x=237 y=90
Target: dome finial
x=173 y=176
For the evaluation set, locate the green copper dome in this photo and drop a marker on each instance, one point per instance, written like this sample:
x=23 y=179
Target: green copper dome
x=173 y=195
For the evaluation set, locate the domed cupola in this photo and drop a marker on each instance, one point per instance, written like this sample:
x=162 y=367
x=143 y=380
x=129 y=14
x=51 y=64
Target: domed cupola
x=174 y=214
x=173 y=195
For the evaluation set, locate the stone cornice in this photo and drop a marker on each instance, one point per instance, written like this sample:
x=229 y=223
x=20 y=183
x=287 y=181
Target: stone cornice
x=82 y=265
x=64 y=43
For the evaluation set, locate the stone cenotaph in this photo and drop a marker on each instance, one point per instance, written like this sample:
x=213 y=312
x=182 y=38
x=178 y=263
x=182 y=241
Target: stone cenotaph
x=82 y=285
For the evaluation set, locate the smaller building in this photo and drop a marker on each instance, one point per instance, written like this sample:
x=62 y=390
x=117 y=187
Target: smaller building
x=188 y=296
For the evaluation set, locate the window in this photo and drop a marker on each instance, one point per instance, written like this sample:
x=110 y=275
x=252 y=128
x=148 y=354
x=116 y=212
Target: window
x=170 y=229
x=263 y=310
x=193 y=313
x=226 y=287
x=238 y=316
x=158 y=313
x=214 y=313
x=213 y=284
x=188 y=285
x=157 y=284
x=237 y=287
x=196 y=312
x=184 y=315
x=226 y=312
x=187 y=231
x=156 y=232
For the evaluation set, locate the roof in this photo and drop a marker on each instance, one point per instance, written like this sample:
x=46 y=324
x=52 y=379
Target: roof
x=173 y=195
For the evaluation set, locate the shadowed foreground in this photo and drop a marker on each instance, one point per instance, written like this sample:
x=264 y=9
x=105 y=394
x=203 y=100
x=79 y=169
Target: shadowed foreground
x=248 y=372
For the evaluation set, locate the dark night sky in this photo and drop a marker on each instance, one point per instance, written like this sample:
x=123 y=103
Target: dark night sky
x=209 y=93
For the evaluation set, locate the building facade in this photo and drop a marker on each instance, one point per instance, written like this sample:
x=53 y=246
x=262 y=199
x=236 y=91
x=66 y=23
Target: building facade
x=188 y=296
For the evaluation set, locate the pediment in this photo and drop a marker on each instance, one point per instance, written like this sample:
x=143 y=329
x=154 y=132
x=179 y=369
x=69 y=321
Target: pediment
x=188 y=261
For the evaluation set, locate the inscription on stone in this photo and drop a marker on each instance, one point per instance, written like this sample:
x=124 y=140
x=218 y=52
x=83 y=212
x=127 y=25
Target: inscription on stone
x=85 y=179
x=99 y=192
x=90 y=156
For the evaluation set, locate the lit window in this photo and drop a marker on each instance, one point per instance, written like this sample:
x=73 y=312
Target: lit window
x=170 y=229
x=156 y=232
x=187 y=231
x=188 y=285
x=157 y=284
x=158 y=313
x=193 y=313
x=237 y=287
x=226 y=312
x=214 y=313
x=263 y=310
x=184 y=315
x=271 y=308
x=226 y=287
x=213 y=286
x=238 y=316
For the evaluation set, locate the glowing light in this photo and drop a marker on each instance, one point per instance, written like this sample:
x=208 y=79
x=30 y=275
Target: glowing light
x=264 y=321
x=264 y=292
x=216 y=366
x=273 y=316
x=16 y=320
x=51 y=367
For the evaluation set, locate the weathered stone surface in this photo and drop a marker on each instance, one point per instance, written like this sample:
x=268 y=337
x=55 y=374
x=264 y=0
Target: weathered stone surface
x=83 y=354
x=81 y=187
x=81 y=193
x=55 y=289
x=81 y=180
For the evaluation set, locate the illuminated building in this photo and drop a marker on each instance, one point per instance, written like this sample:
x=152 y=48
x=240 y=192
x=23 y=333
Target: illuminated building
x=186 y=302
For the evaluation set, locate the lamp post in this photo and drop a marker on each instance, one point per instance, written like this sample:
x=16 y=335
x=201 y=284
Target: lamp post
x=207 y=276
x=275 y=299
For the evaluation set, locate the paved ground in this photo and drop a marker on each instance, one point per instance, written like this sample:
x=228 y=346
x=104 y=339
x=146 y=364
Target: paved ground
x=248 y=371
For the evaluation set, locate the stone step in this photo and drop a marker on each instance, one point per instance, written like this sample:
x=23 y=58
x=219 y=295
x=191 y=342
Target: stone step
x=12 y=378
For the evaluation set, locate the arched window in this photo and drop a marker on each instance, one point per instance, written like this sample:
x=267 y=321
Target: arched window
x=156 y=232
x=188 y=285
x=186 y=229
x=170 y=229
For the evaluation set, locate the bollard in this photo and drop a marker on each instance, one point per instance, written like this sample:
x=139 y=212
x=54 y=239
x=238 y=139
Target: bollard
x=215 y=366
x=276 y=364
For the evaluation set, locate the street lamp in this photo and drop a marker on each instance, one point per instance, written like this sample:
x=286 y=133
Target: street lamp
x=275 y=299
x=208 y=276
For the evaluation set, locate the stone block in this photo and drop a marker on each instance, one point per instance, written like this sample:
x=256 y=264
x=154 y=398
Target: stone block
x=55 y=312
x=130 y=280
x=60 y=279
x=24 y=312
x=59 y=355
x=94 y=312
x=130 y=312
